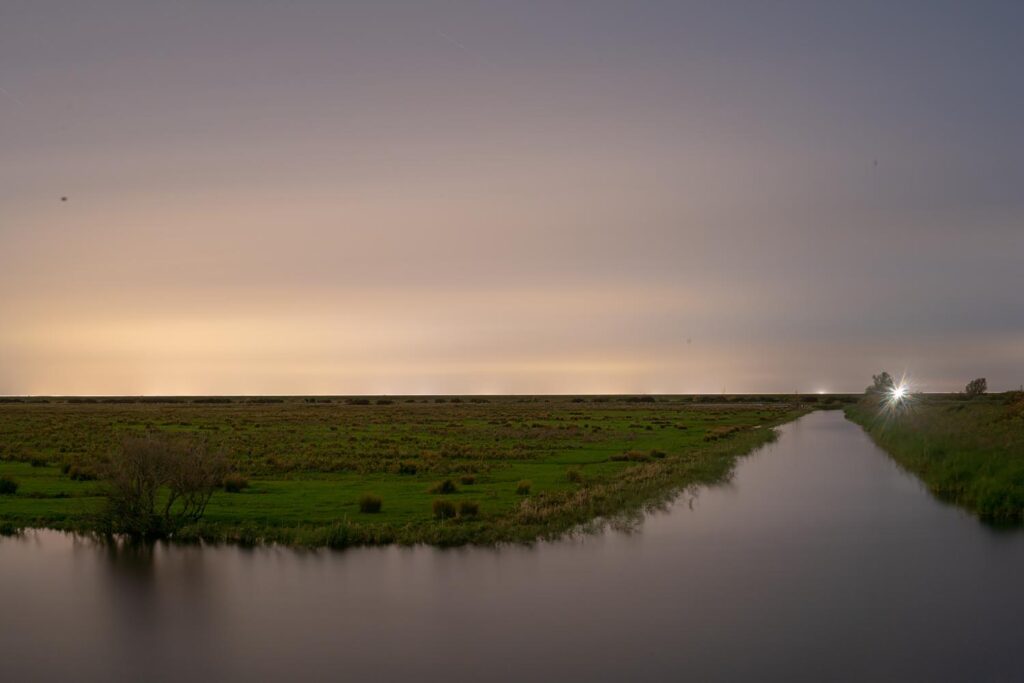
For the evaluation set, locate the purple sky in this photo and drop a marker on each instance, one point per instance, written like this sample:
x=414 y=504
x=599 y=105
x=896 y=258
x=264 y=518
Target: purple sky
x=329 y=197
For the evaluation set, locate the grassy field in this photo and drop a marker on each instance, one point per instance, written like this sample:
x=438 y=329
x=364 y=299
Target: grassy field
x=535 y=466
x=970 y=452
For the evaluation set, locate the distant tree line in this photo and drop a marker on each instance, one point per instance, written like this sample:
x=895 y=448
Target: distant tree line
x=883 y=382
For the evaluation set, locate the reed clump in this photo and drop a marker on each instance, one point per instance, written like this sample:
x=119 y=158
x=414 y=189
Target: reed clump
x=443 y=509
x=370 y=503
x=443 y=487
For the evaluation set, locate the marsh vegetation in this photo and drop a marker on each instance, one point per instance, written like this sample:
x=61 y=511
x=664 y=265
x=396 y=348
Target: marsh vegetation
x=336 y=471
x=967 y=448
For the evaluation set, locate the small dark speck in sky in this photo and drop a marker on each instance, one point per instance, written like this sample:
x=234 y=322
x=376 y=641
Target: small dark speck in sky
x=63 y=199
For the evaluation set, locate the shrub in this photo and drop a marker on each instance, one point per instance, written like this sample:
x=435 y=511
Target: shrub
x=384 y=401
x=574 y=475
x=8 y=487
x=38 y=462
x=370 y=503
x=234 y=483
x=469 y=508
x=976 y=387
x=657 y=454
x=81 y=473
x=407 y=467
x=523 y=487
x=443 y=509
x=630 y=456
x=446 y=486
x=149 y=465
x=881 y=383
x=467 y=480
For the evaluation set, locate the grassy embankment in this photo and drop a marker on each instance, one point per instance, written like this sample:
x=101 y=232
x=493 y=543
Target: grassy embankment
x=969 y=452
x=534 y=467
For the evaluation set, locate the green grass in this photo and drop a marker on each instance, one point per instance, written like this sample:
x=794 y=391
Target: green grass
x=309 y=461
x=969 y=452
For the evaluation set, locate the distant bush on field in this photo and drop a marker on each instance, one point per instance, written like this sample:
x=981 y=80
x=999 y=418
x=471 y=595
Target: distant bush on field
x=446 y=486
x=976 y=387
x=80 y=473
x=407 y=467
x=8 y=487
x=443 y=509
x=523 y=487
x=235 y=483
x=370 y=503
x=469 y=508
x=881 y=383
x=631 y=456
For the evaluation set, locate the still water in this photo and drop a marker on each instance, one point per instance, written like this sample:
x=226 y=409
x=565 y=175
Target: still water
x=821 y=560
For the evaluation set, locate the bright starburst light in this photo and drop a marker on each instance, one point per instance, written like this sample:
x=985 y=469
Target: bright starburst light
x=898 y=397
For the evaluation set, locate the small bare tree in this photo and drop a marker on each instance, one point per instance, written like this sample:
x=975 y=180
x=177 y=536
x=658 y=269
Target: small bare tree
x=157 y=484
x=976 y=387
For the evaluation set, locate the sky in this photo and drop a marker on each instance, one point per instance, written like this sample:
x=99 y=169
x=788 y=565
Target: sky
x=496 y=197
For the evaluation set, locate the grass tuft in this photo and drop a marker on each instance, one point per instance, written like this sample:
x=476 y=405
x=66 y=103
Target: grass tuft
x=234 y=483
x=8 y=487
x=443 y=509
x=370 y=503
x=442 y=487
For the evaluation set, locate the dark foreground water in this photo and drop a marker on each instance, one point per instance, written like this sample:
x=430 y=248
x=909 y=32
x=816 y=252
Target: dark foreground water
x=820 y=561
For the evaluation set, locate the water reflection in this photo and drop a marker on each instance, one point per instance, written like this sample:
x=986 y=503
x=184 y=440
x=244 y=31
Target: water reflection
x=820 y=560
